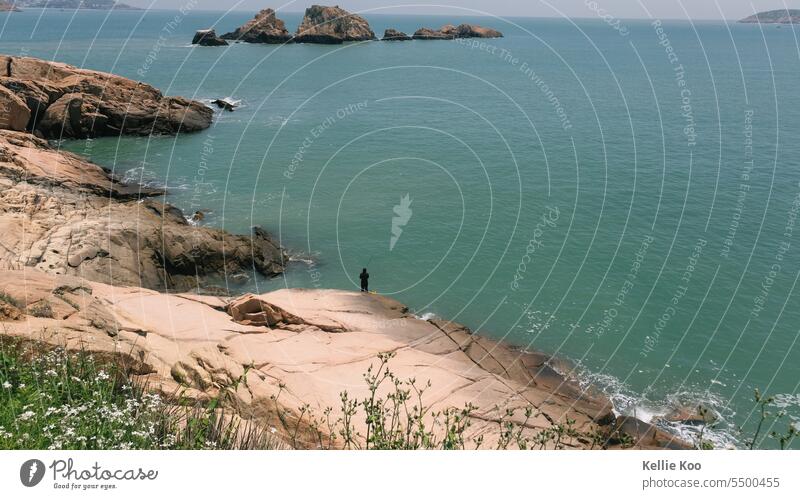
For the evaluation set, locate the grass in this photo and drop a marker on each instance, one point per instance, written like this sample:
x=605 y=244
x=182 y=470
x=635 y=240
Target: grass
x=4 y=297
x=53 y=399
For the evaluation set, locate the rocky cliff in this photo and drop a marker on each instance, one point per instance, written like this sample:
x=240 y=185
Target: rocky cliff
x=65 y=216
x=332 y=25
x=265 y=27
x=62 y=101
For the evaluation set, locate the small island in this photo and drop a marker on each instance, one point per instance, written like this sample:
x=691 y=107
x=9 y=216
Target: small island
x=781 y=16
x=74 y=4
x=7 y=7
x=331 y=26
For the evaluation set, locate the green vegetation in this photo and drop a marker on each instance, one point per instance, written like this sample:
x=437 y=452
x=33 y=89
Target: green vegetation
x=51 y=399
x=400 y=420
x=783 y=440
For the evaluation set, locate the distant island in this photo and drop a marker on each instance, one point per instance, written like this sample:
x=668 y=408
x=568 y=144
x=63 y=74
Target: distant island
x=73 y=4
x=782 y=16
x=7 y=7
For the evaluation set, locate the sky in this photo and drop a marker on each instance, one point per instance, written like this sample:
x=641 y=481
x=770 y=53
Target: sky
x=622 y=9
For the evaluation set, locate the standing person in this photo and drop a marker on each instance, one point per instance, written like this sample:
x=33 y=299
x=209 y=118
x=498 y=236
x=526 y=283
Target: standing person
x=364 y=280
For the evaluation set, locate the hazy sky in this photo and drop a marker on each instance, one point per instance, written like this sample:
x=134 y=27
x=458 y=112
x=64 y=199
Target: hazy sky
x=676 y=9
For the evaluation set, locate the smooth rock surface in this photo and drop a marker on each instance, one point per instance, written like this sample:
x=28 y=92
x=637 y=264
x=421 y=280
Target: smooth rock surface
x=321 y=343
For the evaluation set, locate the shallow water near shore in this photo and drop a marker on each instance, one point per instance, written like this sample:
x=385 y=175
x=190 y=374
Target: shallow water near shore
x=557 y=188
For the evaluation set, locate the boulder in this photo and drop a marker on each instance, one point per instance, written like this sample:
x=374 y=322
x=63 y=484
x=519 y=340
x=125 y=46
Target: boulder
x=36 y=96
x=265 y=27
x=332 y=25
x=14 y=113
x=207 y=38
x=251 y=310
x=77 y=103
x=395 y=35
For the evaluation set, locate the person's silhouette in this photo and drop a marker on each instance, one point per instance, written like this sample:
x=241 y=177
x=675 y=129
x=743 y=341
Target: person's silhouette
x=364 y=280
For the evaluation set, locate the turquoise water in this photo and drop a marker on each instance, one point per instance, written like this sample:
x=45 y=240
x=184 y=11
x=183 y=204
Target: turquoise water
x=665 y=264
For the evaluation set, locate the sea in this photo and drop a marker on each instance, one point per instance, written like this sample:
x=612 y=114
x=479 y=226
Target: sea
x=622 y=194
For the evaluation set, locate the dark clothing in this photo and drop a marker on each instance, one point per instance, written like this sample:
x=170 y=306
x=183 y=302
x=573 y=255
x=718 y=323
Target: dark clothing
x=364 y=281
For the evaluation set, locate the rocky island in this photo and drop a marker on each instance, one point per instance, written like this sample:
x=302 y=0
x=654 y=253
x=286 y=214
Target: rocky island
x=75 y=4
x=332 y=25
x=784 y=16
x=450 y=32
x=395 y=35
x=207 y=38
x=265 y=27
x=5 y=6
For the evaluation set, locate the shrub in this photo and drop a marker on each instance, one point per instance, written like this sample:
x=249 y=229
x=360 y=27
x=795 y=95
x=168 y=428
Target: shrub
x=52 y=399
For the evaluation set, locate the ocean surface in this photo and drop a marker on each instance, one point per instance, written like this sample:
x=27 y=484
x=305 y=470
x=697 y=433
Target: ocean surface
x=621 y=195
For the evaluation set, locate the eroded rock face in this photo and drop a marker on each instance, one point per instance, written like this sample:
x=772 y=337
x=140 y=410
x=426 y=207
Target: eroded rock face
x=65 y=216
x=332 y=25
x=395 y=35
x=450 y=32
x=67 y=102
x=14 y=113
x=207 y=38
x=265 y=27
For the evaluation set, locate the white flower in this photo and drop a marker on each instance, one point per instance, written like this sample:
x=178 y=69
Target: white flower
x=6 y=385
x=27 y=415
x=21 y=385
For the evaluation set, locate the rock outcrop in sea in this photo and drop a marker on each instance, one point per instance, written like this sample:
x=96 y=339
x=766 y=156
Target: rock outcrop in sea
x=332 y=25
x=265 y=27
x=782 y=16
x=450 y=32
x=207 y=38
x=395 y=35
x=67 y=102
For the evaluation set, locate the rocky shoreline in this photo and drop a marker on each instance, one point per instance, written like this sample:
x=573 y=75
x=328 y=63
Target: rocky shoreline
x=89 y=263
